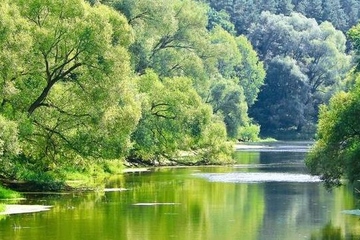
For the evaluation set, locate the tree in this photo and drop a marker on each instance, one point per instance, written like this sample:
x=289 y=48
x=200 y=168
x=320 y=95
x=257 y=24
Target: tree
x=228 y=99
x=189 y=45
x=14 y=38
x=68 y=96
x=285 y=7
x=283 y=102
x=342 y=14
x=337 y=150
x=352 y=12
x=250 y=72
x=174 y=120
x=319 y=53
x=239 y=75
x=334 y=13
x=167 y=33
x=220 y=18
x=311 y=9
x=9 y=144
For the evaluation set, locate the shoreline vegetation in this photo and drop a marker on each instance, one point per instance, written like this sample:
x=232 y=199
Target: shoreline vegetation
x=81 y=185
x=91 y=85
x=90 y=182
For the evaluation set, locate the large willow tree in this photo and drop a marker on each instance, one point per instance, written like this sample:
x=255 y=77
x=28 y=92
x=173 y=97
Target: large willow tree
x=64 y=78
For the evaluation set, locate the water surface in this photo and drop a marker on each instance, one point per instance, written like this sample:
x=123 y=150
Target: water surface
x=267 y=195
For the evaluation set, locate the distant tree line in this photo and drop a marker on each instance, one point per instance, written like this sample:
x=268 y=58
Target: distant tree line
x=311 y=51
x=306 y=56
x=343 y=14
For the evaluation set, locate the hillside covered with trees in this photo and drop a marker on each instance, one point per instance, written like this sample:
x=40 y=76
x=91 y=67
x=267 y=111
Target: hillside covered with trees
x=306 y=54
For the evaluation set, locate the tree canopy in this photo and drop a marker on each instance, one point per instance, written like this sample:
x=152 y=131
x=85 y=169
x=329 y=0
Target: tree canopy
x=196 y=43
x=305 y=64
x=336 y=153
x=337 y=150
x=63 y=86
x=83 y=82
x=342 y=14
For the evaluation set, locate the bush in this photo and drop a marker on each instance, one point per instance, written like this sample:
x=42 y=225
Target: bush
x=249 y=133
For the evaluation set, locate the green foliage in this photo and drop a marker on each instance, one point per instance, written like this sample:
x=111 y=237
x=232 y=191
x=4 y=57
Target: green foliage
x=354 y=36
x=9 y=144
x=342 y=14
x=251 y=72
x=189 y=45
x=228 y=100
x=336 y=153
x=239 y=76
x=167 y=33
x=83 y=83
x=222 y=19
x=213 y=148
x=174 y=118
x=306 y=63
x=286 y=110
x=304 y=31
x=249 y=133
x=64 y=88
x=8 y=194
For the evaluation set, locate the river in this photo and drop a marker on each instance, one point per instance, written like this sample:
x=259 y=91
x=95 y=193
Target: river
x=266 y=195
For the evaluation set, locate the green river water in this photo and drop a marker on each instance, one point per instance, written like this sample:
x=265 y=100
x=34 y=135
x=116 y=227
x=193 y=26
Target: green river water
x=267 y=195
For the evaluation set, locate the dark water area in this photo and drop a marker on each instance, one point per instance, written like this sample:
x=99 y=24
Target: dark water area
x=266 y=195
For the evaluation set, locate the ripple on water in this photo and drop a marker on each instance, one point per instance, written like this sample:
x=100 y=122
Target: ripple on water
x=258 y=177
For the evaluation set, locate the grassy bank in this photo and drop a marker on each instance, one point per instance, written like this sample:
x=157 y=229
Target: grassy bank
x=8 y=194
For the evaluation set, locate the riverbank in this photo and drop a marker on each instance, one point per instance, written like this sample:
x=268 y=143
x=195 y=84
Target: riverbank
x=78 y=185
x=95 y=180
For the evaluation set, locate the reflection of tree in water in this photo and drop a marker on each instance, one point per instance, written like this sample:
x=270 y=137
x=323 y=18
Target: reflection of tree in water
x=331 y=232
x=290 y=204
x=283 y=161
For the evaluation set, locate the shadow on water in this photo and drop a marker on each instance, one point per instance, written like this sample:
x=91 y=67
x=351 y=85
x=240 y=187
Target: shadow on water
x=330 y=232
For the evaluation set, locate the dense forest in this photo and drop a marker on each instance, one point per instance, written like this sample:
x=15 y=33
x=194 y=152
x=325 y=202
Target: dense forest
x=305 y=51
x=343 y=14
x=86 y=84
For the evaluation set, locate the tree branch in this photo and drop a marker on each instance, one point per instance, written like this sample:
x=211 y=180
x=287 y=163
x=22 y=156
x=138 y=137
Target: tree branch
x=48 y=87
x=63 y=111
